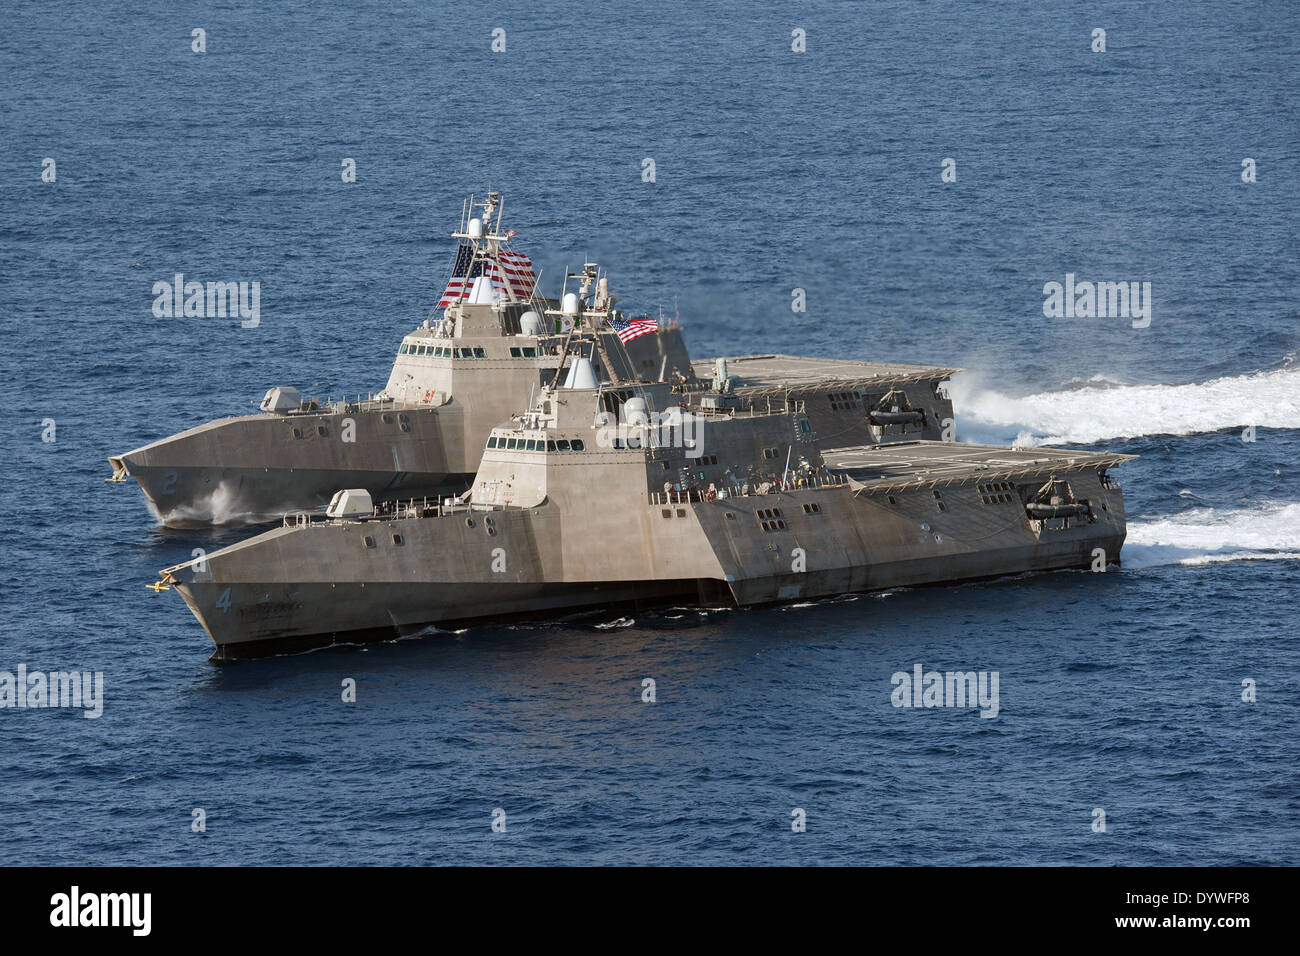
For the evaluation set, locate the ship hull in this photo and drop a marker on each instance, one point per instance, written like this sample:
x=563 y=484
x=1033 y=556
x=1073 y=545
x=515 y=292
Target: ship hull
x=383 y=612
x=201 y=496
x=337 y=582
x=257 y=467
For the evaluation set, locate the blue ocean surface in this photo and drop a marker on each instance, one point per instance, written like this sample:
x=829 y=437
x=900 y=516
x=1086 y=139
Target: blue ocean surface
x=775 y=170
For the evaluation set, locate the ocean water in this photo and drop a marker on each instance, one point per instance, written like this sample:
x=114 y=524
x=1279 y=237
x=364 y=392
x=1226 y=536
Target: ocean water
x=774 y=171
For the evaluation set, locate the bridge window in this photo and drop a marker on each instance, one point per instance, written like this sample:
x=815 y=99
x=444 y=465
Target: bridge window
x=562 y=444
x=402 y=349
x=578 y=445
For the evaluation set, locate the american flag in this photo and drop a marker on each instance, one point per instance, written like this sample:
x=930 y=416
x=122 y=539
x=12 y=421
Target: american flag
x=629 y=329
x=514 y=277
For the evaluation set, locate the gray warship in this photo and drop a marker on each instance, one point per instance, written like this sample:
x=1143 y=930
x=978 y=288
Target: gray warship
x=476 y=364
x=602 y=494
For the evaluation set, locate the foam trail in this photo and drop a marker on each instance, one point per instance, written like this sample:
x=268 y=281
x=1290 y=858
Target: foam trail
x=1100 y=411
x=1208 y=535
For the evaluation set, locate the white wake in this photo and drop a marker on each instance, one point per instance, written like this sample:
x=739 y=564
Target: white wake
x=1207 y=535
x=1099 y=411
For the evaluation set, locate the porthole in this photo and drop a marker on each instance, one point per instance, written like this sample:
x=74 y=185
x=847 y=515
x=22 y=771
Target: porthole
x=469 y=522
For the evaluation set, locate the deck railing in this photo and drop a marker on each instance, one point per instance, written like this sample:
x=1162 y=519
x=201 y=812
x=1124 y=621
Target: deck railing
x=748 y=490
x=410 y=508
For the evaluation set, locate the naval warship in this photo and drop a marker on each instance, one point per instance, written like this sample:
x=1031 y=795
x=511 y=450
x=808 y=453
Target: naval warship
x=474 y=365
x=602 y=494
